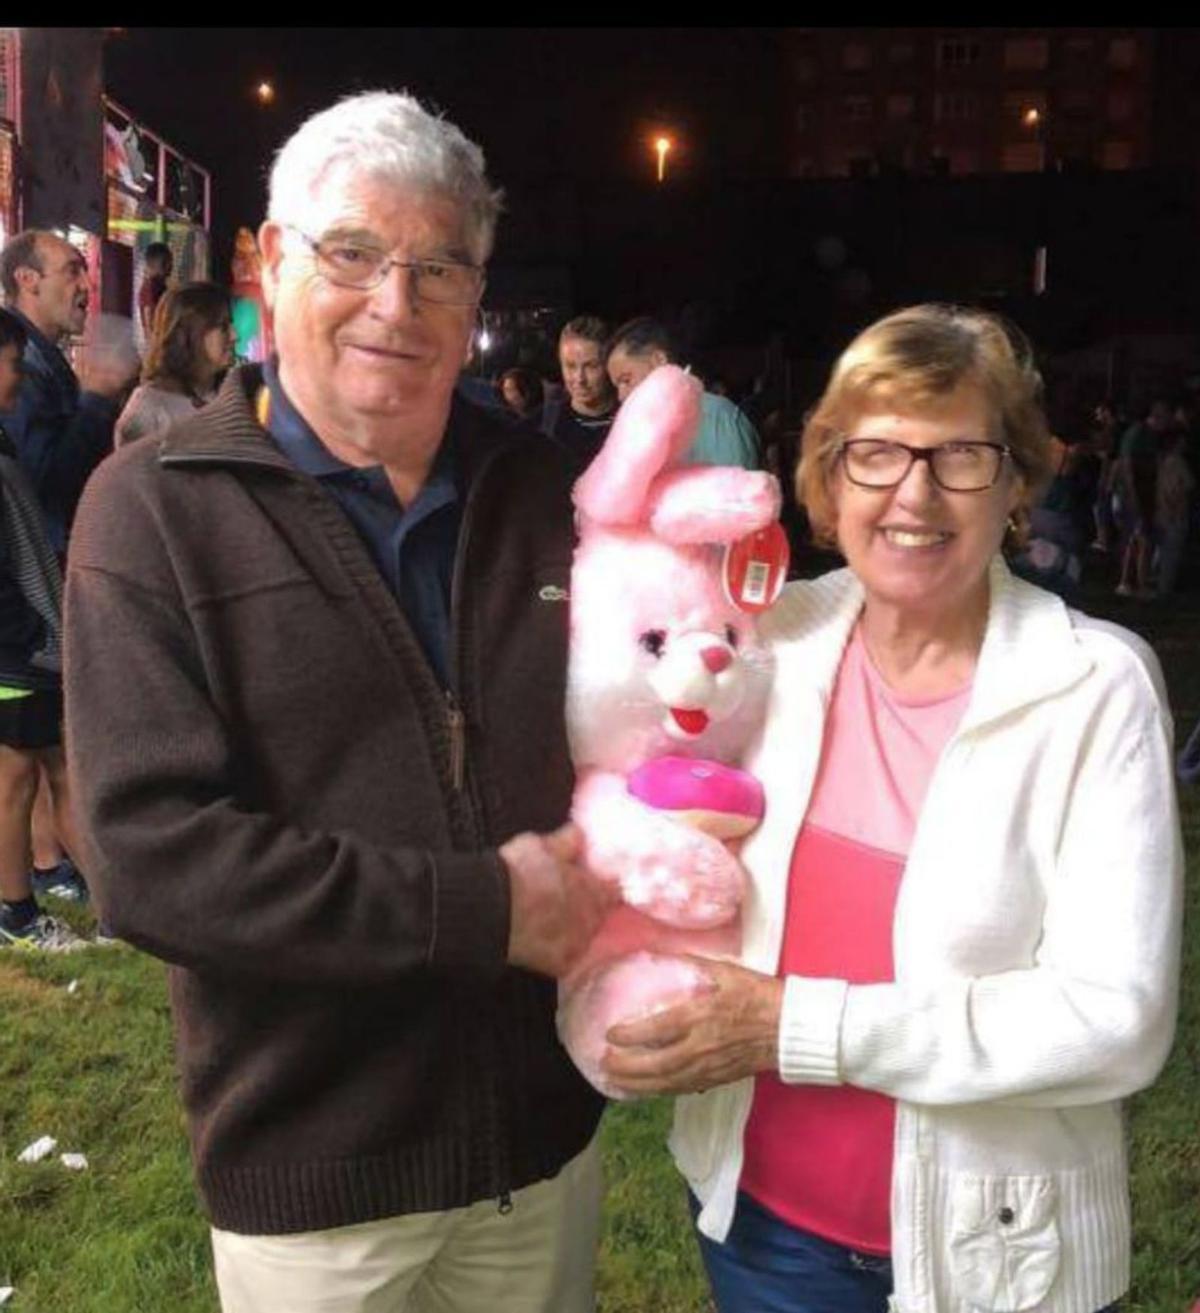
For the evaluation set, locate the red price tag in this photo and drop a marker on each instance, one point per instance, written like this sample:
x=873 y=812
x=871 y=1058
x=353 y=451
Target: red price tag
x=755 y=568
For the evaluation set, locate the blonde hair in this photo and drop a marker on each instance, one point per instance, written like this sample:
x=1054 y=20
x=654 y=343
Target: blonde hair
x=911 y=360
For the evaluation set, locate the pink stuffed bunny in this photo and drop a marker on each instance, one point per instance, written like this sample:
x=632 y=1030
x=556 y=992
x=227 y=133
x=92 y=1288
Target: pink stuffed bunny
x=666 y=684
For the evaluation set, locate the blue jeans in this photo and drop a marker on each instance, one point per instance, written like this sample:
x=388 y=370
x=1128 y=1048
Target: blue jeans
x=767 y=1265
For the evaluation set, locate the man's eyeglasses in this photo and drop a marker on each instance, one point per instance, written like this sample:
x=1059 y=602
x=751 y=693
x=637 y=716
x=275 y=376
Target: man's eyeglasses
x=955 y=466
x=349 y=264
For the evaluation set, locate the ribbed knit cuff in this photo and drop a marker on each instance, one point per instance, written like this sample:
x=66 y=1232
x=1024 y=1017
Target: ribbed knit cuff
x=809 y=1026
x=470 y=913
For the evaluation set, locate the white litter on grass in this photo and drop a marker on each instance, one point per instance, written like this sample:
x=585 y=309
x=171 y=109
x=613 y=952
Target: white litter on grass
x=73 y=986
x=75 y=1162
x=35 y=1152
x=6 y=1293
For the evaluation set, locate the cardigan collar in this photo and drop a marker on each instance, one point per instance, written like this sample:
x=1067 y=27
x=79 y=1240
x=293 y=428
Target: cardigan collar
x=1029 y=647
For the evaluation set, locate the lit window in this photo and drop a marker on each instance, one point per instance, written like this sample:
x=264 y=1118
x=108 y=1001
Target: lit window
x=901 y=106
x=1022 y=157
x=857 y=108
x=856 y=57
x=957 y=52
x=1117 y=155
x=955 y=106
x=1122 y=52
x=1026 y=53
x=804 y=67
x=902 y=52
x=1120 y=105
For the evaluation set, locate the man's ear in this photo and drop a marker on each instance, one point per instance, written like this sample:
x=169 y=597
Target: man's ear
x=270 y=246
x=27 y=280
x=659 y=357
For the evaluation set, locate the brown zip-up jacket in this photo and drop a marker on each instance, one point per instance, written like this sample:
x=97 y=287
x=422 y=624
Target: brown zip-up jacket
x=281 y=802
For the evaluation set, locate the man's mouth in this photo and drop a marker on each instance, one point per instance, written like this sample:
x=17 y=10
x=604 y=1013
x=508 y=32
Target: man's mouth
x=690 y=719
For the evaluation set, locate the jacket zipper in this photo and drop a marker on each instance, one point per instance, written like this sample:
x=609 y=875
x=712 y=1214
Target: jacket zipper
x=457 y=724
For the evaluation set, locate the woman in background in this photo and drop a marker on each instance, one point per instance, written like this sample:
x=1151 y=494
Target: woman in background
x=190 y=347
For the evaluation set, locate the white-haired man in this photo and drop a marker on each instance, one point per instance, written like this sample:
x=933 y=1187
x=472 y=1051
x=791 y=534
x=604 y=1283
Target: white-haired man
x=316 y=668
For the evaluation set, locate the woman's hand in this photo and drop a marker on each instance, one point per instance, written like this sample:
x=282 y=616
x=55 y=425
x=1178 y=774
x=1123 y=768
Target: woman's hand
x=727 y=1031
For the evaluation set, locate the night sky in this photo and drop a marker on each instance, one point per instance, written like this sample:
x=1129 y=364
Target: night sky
x=545 y=104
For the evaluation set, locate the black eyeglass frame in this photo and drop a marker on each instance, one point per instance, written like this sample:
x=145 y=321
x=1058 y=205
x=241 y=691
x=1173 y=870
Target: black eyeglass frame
x=315 y=244
x=927 y=454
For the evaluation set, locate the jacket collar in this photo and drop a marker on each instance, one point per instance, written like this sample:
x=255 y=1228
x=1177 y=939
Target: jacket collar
x=227 y=432
x=1029 y=650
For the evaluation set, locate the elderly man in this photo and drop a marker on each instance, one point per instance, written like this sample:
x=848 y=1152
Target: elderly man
x=61 y=433
x=315 y=653
x=725 y=436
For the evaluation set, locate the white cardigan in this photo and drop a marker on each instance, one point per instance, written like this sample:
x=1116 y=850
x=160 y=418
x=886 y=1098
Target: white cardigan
x=1036 y=947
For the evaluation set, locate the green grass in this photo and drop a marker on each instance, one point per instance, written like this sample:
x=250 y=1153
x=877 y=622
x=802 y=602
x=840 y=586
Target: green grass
x=94 y=1069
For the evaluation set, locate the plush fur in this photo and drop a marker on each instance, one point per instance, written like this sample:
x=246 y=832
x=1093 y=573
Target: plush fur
x=661 y=664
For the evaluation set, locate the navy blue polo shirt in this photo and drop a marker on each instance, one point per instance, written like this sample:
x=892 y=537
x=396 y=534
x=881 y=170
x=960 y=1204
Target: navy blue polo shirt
x=414 y=548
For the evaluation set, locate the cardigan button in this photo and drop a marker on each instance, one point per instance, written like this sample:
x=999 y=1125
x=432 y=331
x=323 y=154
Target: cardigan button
x=1006 y=1215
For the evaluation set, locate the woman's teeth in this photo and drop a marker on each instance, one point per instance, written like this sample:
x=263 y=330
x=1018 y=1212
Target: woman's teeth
x=908 y=538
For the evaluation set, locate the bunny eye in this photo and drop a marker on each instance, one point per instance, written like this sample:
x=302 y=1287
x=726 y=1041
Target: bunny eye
x=653 y=641
x=731 y=636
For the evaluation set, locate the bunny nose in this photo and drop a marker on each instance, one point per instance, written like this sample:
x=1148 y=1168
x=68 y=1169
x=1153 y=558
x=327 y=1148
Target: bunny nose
x=716 y=659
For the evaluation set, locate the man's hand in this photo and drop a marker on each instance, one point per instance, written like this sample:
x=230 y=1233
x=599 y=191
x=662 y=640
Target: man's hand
x=107 y=374
x=720 y=1035
x=556 y=904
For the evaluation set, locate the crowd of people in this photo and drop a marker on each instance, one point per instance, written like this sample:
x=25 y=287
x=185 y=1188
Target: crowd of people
x=314 y=664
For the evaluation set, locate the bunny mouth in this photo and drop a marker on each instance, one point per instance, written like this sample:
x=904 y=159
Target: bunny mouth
x=690 y=719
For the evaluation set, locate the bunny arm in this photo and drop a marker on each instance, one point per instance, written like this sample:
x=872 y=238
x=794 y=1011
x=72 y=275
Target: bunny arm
x=677 y=874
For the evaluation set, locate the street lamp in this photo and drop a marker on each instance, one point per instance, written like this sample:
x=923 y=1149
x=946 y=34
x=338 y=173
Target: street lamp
x=661 y=146
x=1032 y=117
x=265 y=93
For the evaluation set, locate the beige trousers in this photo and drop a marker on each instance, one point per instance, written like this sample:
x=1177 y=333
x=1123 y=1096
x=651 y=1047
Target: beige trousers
x=539 y=1258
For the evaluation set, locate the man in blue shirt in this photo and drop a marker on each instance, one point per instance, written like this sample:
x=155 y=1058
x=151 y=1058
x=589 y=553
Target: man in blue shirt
x=61 y=431
x=725 y=435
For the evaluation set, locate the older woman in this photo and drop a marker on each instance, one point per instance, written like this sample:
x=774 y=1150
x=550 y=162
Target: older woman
x=962 y=944
x=190 y=347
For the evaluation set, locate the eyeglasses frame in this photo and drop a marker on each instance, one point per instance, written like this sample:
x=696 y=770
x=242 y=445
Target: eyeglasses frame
x=926 y=454
x=390 y=262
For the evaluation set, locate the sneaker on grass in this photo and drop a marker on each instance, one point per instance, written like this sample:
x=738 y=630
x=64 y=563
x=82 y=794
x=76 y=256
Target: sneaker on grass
x=62 y=881
x=44 y=934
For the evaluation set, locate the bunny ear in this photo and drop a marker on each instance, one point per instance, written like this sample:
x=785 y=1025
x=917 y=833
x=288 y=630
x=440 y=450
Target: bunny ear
x=712 y=504
x=655 y=426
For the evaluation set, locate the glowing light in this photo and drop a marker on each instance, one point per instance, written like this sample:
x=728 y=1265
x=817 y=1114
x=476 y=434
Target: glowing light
x=1031 y=118
x=661 y=146
x=265 y=93
x=484 y=340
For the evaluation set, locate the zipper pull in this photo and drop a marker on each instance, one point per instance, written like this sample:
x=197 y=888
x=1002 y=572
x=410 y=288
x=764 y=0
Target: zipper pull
x=457 y=724
x=504 y=1205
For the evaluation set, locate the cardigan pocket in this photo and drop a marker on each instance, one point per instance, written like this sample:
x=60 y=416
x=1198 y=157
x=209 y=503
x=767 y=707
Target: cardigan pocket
x=1004 y=1240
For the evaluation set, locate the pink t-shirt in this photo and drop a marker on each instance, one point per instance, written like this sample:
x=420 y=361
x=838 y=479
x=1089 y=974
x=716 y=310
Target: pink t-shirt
x=820 y=1157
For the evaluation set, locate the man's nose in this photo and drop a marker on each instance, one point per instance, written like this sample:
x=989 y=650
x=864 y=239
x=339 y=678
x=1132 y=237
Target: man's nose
x=395 y=297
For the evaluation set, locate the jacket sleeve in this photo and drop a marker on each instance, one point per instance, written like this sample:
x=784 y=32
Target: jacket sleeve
x=60 y=449
x=181 y=866
x=1092 y=1019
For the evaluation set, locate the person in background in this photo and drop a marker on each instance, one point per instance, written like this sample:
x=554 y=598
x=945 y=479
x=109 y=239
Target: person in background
x=963 y=941
x=725 y=435
x=60 y=429
x=1105 y=433
x=190 y=348
x=159 y=264
x=580 y=421
x=316 y=668
x=1175 y=487
x=30 y=684
x=1136 y=477
x=522 y=392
